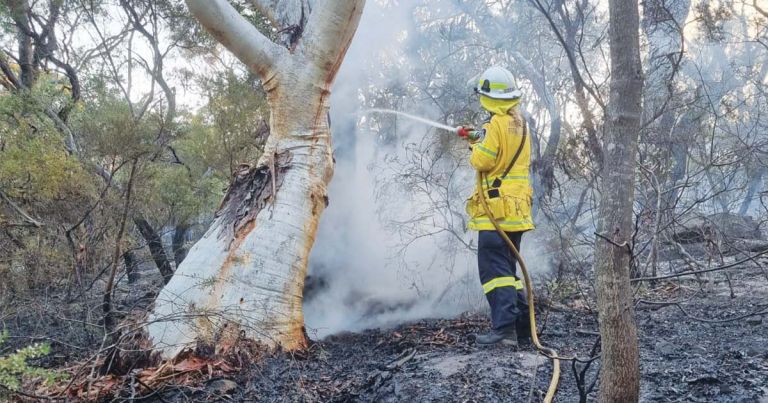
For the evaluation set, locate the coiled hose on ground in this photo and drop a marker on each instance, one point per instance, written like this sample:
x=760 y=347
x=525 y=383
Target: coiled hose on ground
x=546 y=351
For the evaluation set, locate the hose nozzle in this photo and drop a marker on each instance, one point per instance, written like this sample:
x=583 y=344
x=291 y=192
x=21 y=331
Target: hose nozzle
x=467 y=133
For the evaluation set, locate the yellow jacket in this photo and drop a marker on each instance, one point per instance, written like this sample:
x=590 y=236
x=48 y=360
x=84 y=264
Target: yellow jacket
x=491 y=157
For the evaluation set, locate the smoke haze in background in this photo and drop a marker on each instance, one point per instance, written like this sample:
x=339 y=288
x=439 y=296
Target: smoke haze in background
x=360 y=276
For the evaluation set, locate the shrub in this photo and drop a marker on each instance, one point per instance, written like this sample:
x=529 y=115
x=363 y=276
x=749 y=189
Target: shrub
x=14 y=367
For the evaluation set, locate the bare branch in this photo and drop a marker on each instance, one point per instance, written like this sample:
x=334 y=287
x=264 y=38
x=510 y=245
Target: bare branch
x=569 y=53
x=11 y=81
x=761 y=311
x=760 y=10
x=157 y=70
x=21 y=212
x=109 y=314
x=690 y=272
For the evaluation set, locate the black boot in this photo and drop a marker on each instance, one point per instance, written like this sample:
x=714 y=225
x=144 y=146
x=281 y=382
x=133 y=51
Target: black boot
x=523 y=333
x=507 y=337
x=523 y=322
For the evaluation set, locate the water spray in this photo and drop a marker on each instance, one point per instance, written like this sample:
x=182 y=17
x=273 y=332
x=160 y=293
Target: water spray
x=461 y=131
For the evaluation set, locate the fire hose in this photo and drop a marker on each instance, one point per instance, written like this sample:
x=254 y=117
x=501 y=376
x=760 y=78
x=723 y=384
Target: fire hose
x=546 y=351
x=473 y=135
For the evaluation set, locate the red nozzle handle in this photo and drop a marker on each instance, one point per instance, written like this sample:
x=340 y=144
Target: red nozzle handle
x=462 y=131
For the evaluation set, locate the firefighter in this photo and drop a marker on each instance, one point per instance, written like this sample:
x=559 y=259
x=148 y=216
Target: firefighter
x=501 y=155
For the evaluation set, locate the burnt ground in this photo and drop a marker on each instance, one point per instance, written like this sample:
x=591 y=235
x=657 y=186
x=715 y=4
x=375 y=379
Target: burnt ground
x=682 y=358
x=688 y=354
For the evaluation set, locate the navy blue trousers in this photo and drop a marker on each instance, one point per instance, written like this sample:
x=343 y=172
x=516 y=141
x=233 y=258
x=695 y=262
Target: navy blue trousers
x=509 y=306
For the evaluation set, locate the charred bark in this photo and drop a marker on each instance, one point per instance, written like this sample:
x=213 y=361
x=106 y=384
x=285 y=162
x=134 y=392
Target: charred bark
x=131 y=264
x=249 y=193
x=155 y=245
x=179 y=242
x=20 y=13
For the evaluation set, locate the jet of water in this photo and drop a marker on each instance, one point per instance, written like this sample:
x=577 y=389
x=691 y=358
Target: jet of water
x=413 y=117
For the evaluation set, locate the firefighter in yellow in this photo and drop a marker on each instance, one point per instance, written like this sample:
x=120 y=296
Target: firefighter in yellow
x=501 y=155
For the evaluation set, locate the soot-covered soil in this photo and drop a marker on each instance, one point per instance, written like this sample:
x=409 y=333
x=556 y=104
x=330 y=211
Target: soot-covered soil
x=682 y=359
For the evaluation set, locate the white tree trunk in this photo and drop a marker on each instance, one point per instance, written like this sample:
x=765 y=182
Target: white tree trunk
x=246 y=275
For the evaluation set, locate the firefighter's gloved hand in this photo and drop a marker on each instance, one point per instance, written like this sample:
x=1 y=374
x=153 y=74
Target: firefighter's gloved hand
x=476 y=136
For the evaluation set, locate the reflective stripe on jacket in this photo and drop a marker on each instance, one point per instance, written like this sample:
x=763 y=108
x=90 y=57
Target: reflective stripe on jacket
x=491 y=157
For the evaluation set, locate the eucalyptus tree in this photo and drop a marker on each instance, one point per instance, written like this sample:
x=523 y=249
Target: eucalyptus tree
x=247 y=273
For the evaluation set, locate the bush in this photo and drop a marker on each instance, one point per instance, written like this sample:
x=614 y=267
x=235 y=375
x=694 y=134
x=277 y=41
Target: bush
x=14 y=367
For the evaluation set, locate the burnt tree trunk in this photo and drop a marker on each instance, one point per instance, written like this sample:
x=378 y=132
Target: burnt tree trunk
x=179 y=240
x=129 y=258
x=19 y=10
x=155 y=244
x=620 y=375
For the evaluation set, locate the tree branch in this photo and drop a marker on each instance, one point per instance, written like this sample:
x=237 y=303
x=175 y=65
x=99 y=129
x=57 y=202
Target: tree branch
x=762 y=11
x=238 y=35
x=568 y=53
x=157 y=71
x=329 y=32
x=21 y=212
x=759 y=312
x=109 y=314
x=10 y=76
x=690 y=272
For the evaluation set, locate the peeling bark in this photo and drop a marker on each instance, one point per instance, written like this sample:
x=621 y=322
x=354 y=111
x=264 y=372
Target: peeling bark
x=249 y=193
x=248 y=269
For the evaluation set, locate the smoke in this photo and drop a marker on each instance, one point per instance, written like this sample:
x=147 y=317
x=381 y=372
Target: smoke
x=390 y=249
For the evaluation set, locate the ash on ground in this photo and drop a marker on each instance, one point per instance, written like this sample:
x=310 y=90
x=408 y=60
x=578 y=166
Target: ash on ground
x=683 y=358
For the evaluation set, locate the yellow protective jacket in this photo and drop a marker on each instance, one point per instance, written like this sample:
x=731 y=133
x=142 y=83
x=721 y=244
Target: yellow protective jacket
x=511 y=204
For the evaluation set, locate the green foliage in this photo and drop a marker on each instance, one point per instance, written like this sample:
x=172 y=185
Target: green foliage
x=14 y=367
x=6 y=23
x=34 y=167
x=45 y=181
x=179 y=192
x=108 y=128
x=228 y=130
x=33 y=161
x=184 y=160
x=188 y=184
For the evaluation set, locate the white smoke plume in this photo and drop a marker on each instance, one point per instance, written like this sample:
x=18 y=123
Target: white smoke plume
x=364 y=270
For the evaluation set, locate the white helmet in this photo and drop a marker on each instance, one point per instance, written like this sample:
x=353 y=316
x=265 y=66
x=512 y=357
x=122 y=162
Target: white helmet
x=497 y=83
